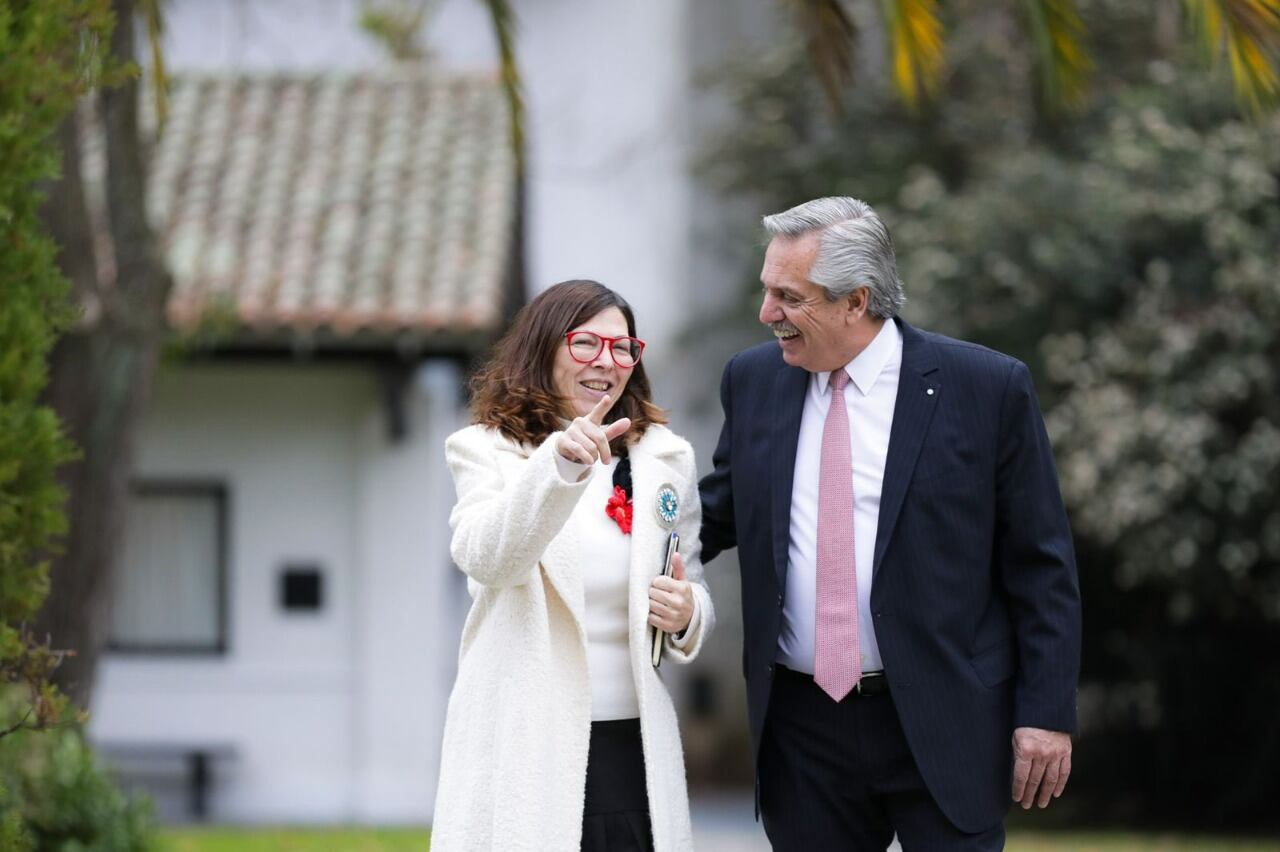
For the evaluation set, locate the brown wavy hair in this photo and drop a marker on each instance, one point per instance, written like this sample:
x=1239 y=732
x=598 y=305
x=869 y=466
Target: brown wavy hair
x=514 y=391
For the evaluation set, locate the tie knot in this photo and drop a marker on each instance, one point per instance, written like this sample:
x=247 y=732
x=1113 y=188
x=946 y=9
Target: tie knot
x=839 y=378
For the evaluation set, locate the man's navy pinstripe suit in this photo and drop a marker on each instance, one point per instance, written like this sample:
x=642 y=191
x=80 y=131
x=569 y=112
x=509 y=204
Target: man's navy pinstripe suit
x=975 y=600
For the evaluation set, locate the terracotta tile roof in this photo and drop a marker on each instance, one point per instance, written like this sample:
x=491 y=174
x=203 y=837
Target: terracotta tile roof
x=378 y=204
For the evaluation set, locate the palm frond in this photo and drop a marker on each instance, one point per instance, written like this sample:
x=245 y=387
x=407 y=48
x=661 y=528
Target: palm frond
x=1058 y=32
x=153 y=17
x=828 y=34
x=1248 y=32
x=504 y=27
x=398 y=26
x=915 y=44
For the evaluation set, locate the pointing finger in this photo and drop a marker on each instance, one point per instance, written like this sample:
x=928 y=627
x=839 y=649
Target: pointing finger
x=597 y=414
x=617 y=427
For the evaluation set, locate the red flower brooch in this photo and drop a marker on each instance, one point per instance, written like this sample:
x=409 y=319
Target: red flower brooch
x=620 y=509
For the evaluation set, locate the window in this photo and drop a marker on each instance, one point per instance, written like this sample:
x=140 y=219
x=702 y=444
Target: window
x=171 y=583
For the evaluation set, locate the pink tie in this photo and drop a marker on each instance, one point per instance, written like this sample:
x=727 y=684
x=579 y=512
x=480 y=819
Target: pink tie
x=837 y=664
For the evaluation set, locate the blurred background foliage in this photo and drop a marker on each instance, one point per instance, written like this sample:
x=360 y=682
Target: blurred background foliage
x=1129 y=255
x=55 y=796
x=48 y=58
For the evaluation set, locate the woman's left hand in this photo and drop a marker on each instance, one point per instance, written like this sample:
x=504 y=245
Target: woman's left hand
x=671 y=599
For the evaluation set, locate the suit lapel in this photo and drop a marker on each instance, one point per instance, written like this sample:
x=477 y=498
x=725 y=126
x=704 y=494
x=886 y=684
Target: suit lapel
x=788 y=405
x=912 y=412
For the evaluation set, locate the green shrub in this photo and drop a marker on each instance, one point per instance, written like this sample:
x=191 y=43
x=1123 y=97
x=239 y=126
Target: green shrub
x=54 y=797
x=48 y=59
x=12 y=836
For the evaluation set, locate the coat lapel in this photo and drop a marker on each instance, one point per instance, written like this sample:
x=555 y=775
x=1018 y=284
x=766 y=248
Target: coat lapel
x=918 y=387
x=788 y=405
x=650 y=470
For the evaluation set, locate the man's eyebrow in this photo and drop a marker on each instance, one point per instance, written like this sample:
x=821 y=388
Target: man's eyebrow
x=781 y=288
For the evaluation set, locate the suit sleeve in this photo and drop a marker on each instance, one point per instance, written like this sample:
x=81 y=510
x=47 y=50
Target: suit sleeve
x=686 y=648
x=716 y=489
x=501 y=527
x=1037 y=563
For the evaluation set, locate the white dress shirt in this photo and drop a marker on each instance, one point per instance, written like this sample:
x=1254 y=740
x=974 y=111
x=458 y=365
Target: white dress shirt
x=870 y=397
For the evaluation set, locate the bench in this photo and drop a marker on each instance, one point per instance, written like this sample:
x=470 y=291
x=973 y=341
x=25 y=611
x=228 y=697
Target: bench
x=195 y=759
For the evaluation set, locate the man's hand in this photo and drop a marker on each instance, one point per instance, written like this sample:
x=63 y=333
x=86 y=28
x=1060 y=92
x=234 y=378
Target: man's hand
x=586 y=440
x=1041 y=764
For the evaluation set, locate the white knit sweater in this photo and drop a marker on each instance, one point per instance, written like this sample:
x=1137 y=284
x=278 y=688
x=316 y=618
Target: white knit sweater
x=605 y=576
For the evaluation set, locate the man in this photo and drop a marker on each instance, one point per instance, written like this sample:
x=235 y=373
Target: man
x=909 y=590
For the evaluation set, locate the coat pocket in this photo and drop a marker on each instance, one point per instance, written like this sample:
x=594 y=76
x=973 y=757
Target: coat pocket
x=996 y=664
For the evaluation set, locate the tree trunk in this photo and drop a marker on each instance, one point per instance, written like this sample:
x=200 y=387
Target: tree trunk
x=100 y=373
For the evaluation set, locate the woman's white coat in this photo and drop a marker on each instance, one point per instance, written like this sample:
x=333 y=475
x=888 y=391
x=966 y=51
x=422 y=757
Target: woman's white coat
x=513 y=766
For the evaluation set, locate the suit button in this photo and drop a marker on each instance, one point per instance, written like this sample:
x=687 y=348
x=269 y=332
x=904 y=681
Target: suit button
x=879 y=613
x=779 y=600
x=769 y=670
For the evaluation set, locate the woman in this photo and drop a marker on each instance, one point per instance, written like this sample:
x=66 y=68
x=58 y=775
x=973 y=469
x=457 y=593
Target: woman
x=560 y=734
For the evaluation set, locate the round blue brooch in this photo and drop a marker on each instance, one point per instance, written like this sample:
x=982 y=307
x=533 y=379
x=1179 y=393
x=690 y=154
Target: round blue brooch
x=668 y=505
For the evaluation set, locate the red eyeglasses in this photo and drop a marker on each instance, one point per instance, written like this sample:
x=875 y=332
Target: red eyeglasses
x=585 y=346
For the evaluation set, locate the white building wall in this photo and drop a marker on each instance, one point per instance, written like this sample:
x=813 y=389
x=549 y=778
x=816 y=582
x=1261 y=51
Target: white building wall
x=608 y=147
x=410 y=604
x=335 y=716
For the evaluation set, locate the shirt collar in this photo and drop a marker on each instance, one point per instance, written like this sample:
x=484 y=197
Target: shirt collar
x=868 y=364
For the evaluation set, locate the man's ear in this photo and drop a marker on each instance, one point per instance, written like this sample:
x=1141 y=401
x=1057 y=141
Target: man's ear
x=857 y=303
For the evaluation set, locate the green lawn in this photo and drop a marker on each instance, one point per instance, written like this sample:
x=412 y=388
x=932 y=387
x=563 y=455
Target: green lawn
x=295 y=840
x=413 y=840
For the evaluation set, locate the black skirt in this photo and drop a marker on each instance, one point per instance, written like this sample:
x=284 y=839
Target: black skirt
x=615 y=816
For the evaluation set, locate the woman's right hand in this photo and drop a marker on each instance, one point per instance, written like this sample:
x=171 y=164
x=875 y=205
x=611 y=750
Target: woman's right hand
x=587 y=440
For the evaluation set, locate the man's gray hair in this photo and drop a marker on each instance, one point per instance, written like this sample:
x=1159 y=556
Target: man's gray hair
x=854 y=250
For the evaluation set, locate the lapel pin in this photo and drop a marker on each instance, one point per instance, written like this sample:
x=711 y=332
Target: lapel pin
x=667 y=506
x=929 y=391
